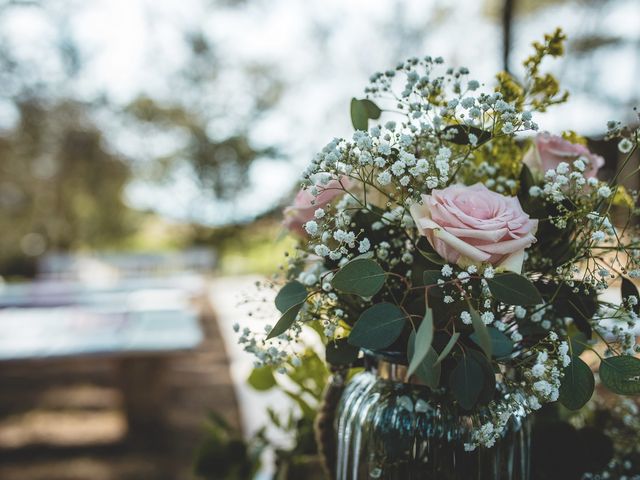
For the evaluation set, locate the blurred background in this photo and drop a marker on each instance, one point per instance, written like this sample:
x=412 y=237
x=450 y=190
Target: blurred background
x=146 y=150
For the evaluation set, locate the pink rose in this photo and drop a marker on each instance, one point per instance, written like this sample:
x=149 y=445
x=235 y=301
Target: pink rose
x=473 y=225
x=549 y=151
x=305 y=204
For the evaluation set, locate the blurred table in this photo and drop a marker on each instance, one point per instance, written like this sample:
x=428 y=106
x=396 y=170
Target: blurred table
x=140 y=329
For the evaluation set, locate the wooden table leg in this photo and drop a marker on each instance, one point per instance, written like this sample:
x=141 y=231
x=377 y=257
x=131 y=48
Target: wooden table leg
x=143 y=391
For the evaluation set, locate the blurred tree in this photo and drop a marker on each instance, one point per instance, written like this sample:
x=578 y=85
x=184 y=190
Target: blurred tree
x=62 y=175
x=60 y=188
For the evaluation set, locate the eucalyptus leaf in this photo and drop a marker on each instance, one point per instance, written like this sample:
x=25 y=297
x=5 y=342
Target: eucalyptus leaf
x=627 y=289
x=448 y=347
x=621 y=374
x=501 y=345
x=378 y=326
x=578 y=343
x=459 y=134
x=467 y=381
x=423 y=340
x=481 y=333
x=431 y=277
x=262 y=378
x=359 y=116
x=514 y=289
x=429 y=370
x=577 y=384
x=285 y=321
x=362 y=277
x=526 y=182
x=340 y=352
x=373 y=111
x=291 y=294
x=489 y=378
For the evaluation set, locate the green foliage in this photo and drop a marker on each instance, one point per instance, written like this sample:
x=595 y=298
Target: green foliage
x=514 y=289
x=304 y=384
x=428 y=369
x=430 y=277
x=467 y=381
x=448 y=347
x=488 y=378
x=340 y=352
x=577 y=384
x=511 y=90
x=362 y=277
x=578 y=343
x=361 y=111
x=501 y=345
x=224 y=455
x=61 y=187
x=621 y=374
x=378 y=326
x=262 y=378
x=481 y=333
x=422 y=343
x=544 y=89
x=459 y=134
x=293 y=293
x=285 y=321
x=628 y=289
x=220 y=165
x=571 y=302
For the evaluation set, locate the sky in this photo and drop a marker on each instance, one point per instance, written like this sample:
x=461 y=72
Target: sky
x=323 y=51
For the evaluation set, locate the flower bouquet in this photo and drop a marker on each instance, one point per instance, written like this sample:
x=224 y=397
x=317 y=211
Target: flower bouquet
x=449 y=237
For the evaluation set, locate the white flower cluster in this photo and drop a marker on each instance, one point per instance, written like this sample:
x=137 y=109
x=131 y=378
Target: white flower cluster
x=540 y=385
x=267 y=352
x=620 y=325
x=565 y=181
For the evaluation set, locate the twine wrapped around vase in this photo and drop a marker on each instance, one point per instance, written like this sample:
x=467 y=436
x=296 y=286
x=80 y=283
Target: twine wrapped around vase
x=324 y=424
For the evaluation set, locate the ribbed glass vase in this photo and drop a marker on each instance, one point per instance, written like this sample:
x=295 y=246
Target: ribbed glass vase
x=389 y=429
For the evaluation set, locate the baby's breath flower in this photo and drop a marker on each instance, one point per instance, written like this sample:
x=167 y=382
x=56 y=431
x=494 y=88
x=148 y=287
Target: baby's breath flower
x=311 y=227
x=625 y=145
x=604 y=191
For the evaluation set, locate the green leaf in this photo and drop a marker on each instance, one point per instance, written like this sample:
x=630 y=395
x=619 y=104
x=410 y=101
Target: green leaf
x=262 y=379
x=308 y=412
x=628 y=288
x=578 y=343
x=340 y=352
x=429 y=370
x=467 y=381
x=362 y=277
x=481 y=332
x=359 y=115
x=424 y=338
x=489 y=378
x=460 y=134
x=526 y=182
x=291 y=294
x=378 y=326
x=286 y=320
x=566 y=303
x=577 y=384
x=621 y=374
x=373 y=111
x=514 y=289
x=431 y=277
x=501 y=345
x=448 y=347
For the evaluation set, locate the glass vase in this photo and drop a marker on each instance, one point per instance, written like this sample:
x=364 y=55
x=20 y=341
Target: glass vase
x=389 y=429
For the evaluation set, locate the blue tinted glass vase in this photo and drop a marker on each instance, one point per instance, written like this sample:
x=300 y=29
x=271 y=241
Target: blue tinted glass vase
x=389 y=429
